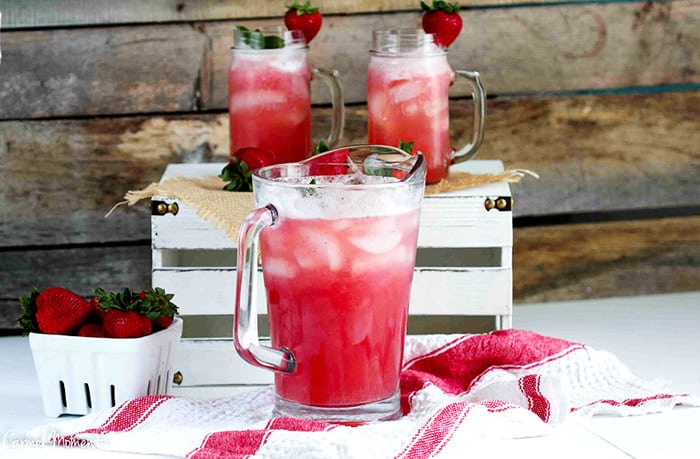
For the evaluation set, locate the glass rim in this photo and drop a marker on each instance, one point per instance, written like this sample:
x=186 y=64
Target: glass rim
x=405 y=41
x=289 y=39
x=411 y=178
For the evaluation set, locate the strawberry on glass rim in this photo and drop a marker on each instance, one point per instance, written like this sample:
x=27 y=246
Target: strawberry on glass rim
x=238 y=173
x=442 y=19
x=303 y=17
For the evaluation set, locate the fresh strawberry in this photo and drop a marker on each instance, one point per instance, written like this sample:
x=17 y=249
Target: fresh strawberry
x=126 y=324
x=97 y=314
x=162 y=322
x=93 y=330
x=156 y=305
x=443 y=20
x=239 y=170
x=131 y=315
x=303 y=17
x=325 y=162
x=55 y=311
x=254 y=157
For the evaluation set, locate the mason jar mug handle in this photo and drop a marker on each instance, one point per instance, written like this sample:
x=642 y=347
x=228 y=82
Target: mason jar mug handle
x=245 y=319
x=479 y=95
x=337 y=101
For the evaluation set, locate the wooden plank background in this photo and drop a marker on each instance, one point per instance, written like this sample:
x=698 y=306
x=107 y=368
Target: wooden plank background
x=182 y=67
x=601 y=98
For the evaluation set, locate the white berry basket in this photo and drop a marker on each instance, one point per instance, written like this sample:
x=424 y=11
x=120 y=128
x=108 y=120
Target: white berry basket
x=79 y=375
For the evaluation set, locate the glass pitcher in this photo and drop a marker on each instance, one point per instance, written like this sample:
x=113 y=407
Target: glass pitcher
x=270 y=94
x=338 y=237
x=407 y=98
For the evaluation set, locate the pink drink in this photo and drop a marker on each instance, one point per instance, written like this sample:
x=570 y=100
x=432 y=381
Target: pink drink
x=338 y=237
x=269 y=102
x=407 y=99
x=338 y=298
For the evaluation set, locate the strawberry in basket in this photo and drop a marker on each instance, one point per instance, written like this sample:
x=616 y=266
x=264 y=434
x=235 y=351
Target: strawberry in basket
x=54 y=311
x=59 y=311
x=132 y=315
x=80 y=363
x=158 y=307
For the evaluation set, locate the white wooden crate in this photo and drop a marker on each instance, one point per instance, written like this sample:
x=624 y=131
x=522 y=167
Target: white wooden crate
x=464 y=268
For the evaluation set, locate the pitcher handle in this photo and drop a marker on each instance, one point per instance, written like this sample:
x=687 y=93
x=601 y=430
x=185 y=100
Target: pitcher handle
x=337 y=101
x=245 y=322
x=470 y=149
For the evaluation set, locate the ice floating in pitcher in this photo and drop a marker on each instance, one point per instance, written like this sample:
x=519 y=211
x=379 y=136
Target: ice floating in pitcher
x=352 y=181
x=359 y=164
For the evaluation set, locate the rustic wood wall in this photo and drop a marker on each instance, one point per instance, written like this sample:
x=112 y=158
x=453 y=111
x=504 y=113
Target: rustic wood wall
x=602 y=98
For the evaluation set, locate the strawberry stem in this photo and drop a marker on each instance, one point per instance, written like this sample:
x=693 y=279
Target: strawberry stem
x=440 y=5
x=238 y=176
x=152 y=302
x=301 y=9
x=28 y=319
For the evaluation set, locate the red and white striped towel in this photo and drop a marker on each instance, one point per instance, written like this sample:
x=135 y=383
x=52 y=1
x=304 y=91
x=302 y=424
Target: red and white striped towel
x=454 y=390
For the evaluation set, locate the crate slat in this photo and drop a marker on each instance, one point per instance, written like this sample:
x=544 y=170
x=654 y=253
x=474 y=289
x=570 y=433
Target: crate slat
x=435 y=291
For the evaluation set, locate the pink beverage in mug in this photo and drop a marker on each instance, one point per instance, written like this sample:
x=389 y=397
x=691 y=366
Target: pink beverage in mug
x=408 y=80
x=349 y=281
x=338 y=237
x=412 y=107
x=269 y=94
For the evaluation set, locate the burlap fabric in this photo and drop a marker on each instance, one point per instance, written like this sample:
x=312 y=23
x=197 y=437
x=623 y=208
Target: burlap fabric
x=226 y=210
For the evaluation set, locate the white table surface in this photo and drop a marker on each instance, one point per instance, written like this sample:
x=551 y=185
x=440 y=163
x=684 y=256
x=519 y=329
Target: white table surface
x=655 y=336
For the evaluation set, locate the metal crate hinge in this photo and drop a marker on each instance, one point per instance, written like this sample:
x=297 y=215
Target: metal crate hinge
x=162 y=208
x=503 y=203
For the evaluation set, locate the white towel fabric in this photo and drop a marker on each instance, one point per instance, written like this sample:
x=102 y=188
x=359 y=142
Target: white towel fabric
x=455 y=390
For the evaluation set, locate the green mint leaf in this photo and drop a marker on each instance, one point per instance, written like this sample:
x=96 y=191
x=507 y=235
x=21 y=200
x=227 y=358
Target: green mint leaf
x=252 y=38
x=273 y=42
x=309 y=192
x=322 y=147
x=406 y=146
x=256 y=40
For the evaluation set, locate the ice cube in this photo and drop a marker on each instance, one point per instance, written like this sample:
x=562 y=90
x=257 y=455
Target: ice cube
x=334 y=252
x=409 y=109
x=361 y=265
x=249 y=99
x=305 y=258
x=404 y=254
x=378 y=106
x=436 y=107
x=289 y=62
x=440 y=124
x=319 y=251
x=279 y=267
x=341 y=225
x=379 y=225
x=405 y=91
x=377 y=243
